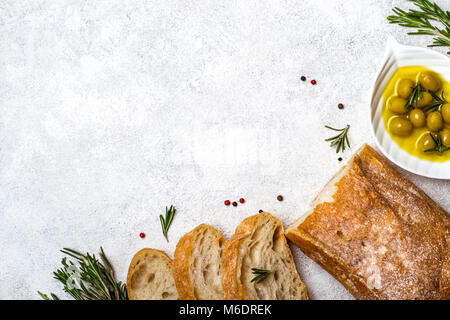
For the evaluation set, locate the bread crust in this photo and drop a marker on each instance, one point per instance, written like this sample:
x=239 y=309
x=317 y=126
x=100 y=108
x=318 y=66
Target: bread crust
x=181 y=262
x=381 y=237
x=132 y=267
x=230 y=261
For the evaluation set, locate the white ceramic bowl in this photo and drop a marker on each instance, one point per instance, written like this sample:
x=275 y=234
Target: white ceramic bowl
x=396 y=56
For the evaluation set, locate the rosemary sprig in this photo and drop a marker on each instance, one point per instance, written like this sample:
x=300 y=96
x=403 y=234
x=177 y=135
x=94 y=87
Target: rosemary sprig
x=88 y=278
x=439 y=147
x=45 y=297
x=422 y=19
x=438 y=102
x=261 y=275
x=339 y=140
x=415 y=95
x=165 y=222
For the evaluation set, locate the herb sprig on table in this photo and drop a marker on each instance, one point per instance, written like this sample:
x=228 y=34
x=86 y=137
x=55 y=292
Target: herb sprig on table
x=428 y=19
x=167 y=220
x=88 y=278
x=339 y=140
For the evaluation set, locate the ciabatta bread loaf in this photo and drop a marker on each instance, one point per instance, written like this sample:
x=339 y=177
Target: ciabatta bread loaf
x=377 y=233
x=150 y=276
x=259 y=243
x=197 y=264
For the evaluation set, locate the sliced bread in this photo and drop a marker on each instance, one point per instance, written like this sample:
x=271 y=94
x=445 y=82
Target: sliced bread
x=197 y=264
x=259 y=243
x=150 y=276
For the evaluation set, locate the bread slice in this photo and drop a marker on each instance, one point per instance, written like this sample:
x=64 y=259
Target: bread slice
x=150 y=276
x=259 y=242
x=197 y=264
x=377 y=233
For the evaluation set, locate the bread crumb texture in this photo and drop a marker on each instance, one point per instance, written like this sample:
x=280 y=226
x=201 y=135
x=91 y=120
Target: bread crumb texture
x=150 y=276
x=259 y=242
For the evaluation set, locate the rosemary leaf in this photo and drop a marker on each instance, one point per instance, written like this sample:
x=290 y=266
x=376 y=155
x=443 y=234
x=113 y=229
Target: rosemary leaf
x=414 y=96
x=420 y=20
x=339 y=140
x=438 y=146
x=261 y=275
x=88 y=278
x=167 y=220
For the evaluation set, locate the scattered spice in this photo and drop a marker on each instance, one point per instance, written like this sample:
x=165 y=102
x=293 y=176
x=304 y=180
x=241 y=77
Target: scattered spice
x=340 y=159
x=340 y=106
x=234 y=204
x=227 y=202
x=303 y=78
x=241 y=200
x=142 y=235
x=313 y=82
x=260 y=211
x=280 y=198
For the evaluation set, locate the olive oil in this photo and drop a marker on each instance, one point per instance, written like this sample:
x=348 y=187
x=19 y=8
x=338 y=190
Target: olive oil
x=409 y=142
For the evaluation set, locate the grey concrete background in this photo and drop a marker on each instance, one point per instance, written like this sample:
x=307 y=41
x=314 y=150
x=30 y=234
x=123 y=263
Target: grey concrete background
x=111 y=110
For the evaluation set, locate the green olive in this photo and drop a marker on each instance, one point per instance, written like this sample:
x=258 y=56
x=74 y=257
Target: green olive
x=425 y=142
x=445 y=111
x=424 y=100
x=396 y=105
x=400 y=126
x=434 y=121
x=429 y=81
x=404 y=87
x=417 y=118
x=445 y=137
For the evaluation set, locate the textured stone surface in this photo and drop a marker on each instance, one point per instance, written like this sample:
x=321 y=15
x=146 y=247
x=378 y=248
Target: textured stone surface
x=111 y=110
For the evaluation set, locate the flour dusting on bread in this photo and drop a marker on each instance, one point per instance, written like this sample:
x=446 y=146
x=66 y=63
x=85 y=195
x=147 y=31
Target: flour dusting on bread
x=381 y=236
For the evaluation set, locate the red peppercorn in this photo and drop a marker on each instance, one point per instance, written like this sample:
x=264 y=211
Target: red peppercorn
x=142 y=235
x=227 y=202
x=241 y=200
x=313 y=82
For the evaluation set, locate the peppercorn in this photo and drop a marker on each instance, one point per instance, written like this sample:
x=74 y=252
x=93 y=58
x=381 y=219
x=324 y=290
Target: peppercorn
x=313 y=82
x=340 y=159
x=303 y=78
x=241 y=200
x=234 y=204
x=340 y=106
x=227 y=202
x=280 y=198
x=142 y=235
x=260 y=211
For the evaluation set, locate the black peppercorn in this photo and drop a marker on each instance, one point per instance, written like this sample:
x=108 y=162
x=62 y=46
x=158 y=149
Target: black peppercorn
x=234 y=204
x=340 y=106
x=303 y=78
x=280 y=198
x=260 y=211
